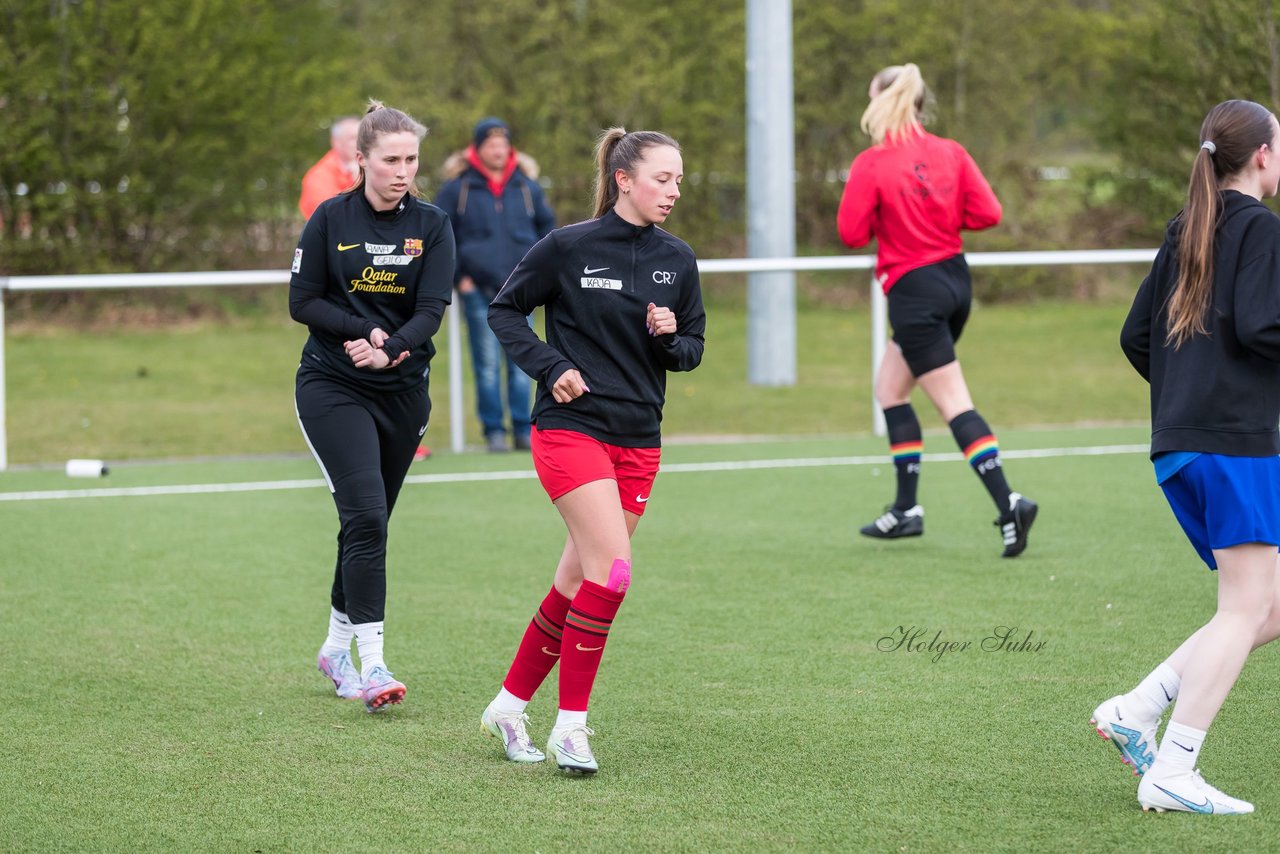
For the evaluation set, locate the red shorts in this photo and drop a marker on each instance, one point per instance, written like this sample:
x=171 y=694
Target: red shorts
x=566 y=459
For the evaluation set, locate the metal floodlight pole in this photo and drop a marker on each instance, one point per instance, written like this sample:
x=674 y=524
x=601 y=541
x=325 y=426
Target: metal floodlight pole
x=457 y=424
x=771 y=193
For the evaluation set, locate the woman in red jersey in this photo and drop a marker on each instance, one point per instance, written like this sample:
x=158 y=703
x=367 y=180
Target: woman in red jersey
x=914 y=192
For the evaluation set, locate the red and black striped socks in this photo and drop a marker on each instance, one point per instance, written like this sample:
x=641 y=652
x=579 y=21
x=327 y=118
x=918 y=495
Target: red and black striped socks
x=586 y=629
x=539 y=648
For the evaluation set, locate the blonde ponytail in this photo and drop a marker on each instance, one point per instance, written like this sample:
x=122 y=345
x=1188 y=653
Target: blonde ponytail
x=899 y=106
x=380 y=119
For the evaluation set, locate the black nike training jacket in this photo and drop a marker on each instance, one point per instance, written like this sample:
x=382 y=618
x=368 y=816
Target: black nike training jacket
x=596 y=280
x=1219 y=393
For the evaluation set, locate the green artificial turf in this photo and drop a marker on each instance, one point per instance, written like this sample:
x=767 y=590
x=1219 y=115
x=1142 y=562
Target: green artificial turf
x=161 y=695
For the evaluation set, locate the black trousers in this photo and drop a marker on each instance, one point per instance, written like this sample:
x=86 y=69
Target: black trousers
x=364 y=442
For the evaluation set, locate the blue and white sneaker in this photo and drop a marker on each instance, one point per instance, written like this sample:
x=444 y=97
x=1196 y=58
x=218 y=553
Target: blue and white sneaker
x=571 y=750
x=509 y=728
x=381 y=689
x=339 y=669
x=1186 y=792
x=1133 y=733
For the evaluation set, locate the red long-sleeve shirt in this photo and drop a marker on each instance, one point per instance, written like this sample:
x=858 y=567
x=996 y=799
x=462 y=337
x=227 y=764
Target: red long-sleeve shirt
x=914 y=196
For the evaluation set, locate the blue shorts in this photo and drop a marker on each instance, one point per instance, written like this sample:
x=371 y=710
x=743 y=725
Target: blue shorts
x=1225 y=501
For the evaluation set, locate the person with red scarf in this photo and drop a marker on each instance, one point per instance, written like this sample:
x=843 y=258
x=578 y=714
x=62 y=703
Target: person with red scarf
x=498 y=212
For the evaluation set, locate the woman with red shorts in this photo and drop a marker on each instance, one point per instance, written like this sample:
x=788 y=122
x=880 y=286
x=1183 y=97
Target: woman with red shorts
x=623 y=307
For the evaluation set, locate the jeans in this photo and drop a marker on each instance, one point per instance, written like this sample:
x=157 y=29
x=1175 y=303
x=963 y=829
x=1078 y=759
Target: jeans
x=486 y=359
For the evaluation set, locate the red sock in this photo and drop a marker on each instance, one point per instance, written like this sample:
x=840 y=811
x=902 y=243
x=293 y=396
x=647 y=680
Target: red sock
x=539 y=648
x=586 y=628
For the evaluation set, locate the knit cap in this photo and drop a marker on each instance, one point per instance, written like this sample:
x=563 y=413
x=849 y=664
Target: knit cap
x=487 y=127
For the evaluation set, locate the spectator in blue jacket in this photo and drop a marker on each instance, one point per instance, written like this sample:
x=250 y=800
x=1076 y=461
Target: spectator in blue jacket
x=498 y=211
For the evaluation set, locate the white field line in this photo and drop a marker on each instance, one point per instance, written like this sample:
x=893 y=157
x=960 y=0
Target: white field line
x=474 y=477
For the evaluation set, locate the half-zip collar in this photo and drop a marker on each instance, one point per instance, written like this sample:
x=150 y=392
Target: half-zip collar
x=635 y=235
x=406 y=201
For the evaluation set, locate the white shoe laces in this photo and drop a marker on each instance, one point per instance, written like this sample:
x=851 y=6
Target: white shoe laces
x=1209 y=789
x=577 y=736
x=522 y=734
x=517 y=721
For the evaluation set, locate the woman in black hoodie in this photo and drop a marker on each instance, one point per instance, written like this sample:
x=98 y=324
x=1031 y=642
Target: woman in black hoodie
x=623 y=307
x=1204 y=331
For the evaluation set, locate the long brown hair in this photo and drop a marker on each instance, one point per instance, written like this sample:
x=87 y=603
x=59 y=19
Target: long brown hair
x=380 y=119
x=616 y=149
x=1229 y=137
x=900 y=107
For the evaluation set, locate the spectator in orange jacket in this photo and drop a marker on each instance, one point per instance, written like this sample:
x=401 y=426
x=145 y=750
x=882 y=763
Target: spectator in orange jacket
x=334 y=172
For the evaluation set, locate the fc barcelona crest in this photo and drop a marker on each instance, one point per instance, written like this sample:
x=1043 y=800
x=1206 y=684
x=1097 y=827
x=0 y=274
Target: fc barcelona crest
x=413 y=246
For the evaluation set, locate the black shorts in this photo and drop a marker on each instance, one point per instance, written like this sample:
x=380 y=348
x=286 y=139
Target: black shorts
x=928 y=308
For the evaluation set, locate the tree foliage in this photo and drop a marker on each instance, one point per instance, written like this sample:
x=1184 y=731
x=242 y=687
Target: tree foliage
x=174 y=135
x=150 y=136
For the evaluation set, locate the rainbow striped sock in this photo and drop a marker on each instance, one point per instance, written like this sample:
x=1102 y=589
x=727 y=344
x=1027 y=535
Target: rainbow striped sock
x=905 y=445
x=982 y=452
x=976 y=453
x=907 y=452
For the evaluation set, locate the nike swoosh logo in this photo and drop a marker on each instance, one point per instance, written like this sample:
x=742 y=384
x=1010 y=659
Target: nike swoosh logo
x=582 y=648
x=1188 y=749
x=640 y=500
x=343 y=247
x=549 y=652
x=1166 y=692
x=1133 y=746
x=587 y=271
x=1206 y=807
x=566 y=751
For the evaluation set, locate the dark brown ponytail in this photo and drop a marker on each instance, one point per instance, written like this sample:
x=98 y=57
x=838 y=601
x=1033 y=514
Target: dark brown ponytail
x=1230 y=135
x=616 y=149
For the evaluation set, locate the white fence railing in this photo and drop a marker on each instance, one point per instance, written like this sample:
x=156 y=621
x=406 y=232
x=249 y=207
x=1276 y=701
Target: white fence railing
x=457 y=430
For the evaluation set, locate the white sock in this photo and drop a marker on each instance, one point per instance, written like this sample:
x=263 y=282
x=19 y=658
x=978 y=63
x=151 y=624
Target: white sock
x=1180 y=748
x=369 y=645
x=567 y=718
x=1158 y=690
x=509 y=703
x=340 y=633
